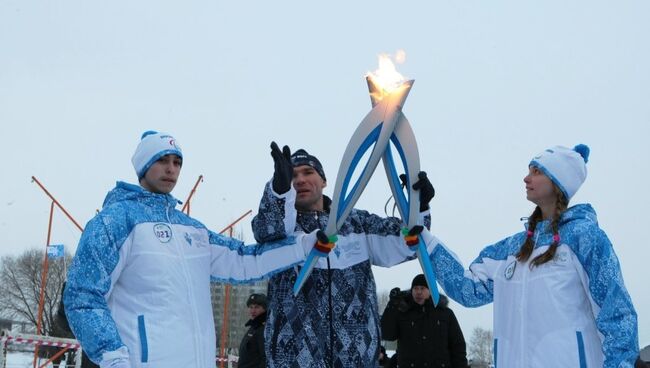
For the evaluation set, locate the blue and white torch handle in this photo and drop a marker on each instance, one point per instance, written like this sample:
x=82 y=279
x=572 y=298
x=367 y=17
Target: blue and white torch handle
x=403 y=139
x=374 y=132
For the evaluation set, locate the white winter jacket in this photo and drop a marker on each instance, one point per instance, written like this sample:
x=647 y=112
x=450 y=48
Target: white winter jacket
x=139 y=285
x=572 y=312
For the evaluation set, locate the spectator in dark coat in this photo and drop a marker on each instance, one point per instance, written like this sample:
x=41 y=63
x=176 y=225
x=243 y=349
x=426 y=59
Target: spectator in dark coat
x=427 y=336
x=251 y=349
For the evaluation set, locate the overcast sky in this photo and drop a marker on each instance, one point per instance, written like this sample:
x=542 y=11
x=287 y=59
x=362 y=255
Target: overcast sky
x=495 y=83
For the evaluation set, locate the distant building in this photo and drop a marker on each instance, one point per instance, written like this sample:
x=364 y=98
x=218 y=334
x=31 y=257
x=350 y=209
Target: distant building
x=15 y=326
x=5 y=324
x=645 y=354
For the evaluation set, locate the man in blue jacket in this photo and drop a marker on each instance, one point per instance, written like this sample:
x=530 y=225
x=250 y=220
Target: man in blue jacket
x=333 y=321
x=138 y=290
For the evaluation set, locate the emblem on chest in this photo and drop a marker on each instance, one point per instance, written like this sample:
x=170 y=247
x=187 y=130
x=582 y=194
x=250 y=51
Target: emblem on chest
x=163 y=232
x=510 y=270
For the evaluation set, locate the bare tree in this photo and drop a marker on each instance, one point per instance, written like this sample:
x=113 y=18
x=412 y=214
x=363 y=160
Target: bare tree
x=20 y=287
x=480 y=347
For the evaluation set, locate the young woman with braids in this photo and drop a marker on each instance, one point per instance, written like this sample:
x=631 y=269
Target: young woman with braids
x=558 y=293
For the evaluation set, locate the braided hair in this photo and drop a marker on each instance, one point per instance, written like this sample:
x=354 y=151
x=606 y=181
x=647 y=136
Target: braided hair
x=561 y=204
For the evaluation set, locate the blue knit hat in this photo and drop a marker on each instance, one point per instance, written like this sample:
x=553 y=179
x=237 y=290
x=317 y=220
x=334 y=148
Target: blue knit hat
x=153 y=145
x=565 y=167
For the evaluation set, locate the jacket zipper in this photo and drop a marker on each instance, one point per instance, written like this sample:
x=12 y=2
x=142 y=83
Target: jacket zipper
x=197 y=345
x=522 y=304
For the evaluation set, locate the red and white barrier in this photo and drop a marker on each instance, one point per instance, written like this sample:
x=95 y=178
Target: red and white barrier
x=229 y=358
x=42 y=341
x=6 y=338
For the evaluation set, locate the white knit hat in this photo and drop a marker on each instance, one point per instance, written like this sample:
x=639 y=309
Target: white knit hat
x=565 y=167
x=153 y=145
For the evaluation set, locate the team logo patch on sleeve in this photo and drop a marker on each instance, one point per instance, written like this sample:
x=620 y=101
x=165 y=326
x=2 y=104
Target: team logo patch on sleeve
x=163 y=232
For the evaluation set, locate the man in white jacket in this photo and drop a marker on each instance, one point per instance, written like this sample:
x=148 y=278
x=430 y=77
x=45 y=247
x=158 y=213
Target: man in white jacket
x=138 y=290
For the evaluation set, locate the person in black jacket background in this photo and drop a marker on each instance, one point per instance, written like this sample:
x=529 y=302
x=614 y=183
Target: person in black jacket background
x=427 y=336
x=251 y=349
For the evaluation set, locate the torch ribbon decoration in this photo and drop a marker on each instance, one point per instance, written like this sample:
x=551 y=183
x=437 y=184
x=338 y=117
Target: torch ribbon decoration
x=383 y=125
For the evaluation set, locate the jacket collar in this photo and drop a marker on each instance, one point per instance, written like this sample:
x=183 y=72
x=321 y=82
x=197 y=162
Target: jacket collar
x=327 y=204
x=130 y=192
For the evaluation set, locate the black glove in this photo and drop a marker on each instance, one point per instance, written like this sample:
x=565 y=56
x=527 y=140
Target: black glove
x=424 y=186
x=416 y=230
x=323 y=242
x=322 y=237
x=402 y=178
x=411 y=237
x=283 y=173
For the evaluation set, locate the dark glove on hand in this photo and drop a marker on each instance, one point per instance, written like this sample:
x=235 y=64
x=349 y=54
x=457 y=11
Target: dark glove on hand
x=416 y=230
x=402 y=178
x=411 y=236
x=424 y=186
x=322 y=237
x=324 y=243
x=283 y=168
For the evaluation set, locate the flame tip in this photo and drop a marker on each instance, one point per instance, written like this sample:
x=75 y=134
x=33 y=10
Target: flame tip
x=386 y=78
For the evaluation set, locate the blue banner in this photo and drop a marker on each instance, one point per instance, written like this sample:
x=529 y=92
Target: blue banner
x=55 y=251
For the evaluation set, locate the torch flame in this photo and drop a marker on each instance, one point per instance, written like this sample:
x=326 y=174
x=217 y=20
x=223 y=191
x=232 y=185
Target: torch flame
x=386 y=77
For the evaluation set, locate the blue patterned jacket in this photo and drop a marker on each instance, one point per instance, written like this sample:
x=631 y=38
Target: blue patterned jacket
x=298 y=331
x=573 y=311
x=139 y=285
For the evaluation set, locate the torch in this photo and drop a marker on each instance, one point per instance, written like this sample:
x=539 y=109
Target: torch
x=385 y=124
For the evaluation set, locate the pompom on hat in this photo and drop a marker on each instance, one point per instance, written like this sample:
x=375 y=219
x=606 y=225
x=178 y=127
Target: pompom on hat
x=565 y=167
x=153 y=145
